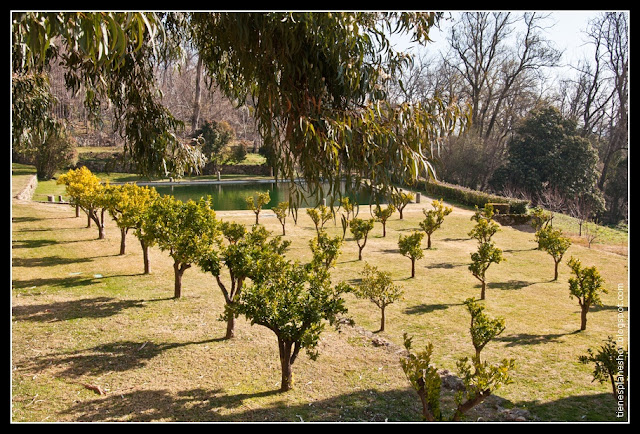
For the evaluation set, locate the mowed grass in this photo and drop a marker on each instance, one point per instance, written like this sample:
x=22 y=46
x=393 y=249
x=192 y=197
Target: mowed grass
x=82 y=315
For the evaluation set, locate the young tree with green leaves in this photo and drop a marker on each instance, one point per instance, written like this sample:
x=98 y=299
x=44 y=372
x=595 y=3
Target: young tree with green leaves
x=187 y=230
x=325 y=250
x=551 y=241
x=586 y=286
x=281 y=211
x=255 y=204
x=360 y=229
x=127 y=204
x=88 y=193
x=486 y=255
x=293 y=301
x=401 y=199
x=411 y=247
x=239 y=256
x=320 y=215
x=377 y=287
x=483 y=329
x=348 y=214
x=611 y=364
x=382 y=215
x=434 y=218
x=480 y=378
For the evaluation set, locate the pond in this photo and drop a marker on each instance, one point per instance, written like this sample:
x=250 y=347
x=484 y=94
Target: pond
x=227 y=195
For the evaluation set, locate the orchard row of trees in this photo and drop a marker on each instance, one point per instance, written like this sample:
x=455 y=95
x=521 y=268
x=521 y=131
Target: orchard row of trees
x=294 y=300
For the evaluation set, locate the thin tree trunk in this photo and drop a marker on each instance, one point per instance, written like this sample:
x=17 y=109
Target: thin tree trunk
x=145 y=257
x=195 y=118
x=285 y=364
x=123 y=242
x=482 y=292
x=178 y=272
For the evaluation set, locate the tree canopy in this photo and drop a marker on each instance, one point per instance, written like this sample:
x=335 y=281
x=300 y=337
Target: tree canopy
x=314 y=81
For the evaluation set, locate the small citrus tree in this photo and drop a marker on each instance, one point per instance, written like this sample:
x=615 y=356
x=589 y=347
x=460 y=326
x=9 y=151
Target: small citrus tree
x=360 y=229
x=434 y=218
x=320 y=216
x=551 y=241
x=586 y=286
x=86 y=192
x=281 y=211
x=411 y=247
x=255 y=204
x=486 y=255
x=382 y=215
x=348 y=214
x=293 y=301
x=480 y=378
x=240 y=255
x=325 y=250
x=377 y=287
x=401 y=199
x=188 y=231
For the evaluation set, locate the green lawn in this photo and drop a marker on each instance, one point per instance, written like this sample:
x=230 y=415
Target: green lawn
x=84 y=316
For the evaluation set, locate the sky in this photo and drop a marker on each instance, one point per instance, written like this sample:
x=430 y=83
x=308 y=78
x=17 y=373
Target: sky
x=567 y=33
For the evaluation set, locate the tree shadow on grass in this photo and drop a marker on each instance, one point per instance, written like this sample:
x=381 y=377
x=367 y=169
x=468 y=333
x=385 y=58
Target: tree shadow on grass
x=99 y=307
x=119 y=356
x=531 y=339
x=428 y=308
x=601 y=407
x=202 y=405
x=509 y=285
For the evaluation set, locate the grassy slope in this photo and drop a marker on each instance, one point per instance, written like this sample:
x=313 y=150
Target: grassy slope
x=82 y=315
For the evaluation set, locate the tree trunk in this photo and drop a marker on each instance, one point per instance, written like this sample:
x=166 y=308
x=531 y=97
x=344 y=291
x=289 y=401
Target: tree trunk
x=482 y=291
x=283 y=230
x=381 y=319
x=428 y=241
x=360 y=252
x=145 y=257
x=230 y=327
x=178 y=272
x=583 y=316
x=196 y=101
x=413 y=267
x=555 y=274
x=384 y=230
x=123 y=243
x=285 y=364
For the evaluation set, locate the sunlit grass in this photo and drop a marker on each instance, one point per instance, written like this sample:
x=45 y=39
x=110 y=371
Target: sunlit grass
x=82 y=314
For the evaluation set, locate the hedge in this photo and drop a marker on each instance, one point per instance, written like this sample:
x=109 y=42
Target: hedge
x=467 y=196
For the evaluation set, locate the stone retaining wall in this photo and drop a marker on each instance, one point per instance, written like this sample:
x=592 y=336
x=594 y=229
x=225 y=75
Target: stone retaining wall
x=27 y=191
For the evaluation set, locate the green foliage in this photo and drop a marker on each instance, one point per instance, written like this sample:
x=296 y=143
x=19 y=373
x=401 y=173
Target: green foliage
x=281 y=211
x=411 y=247
x=127 y=205
x=486 y=255
x=188 y=231
x=586 y=286
x=87 y=192
x=293 y=301
x=378 y=287
x=255 y=204
x=485 y=228
x=480 y=378
x=320 y=215
x=540 y=218
x=216 y=136
x=551 y=241
x=483 y=329
x=240 y=257
x=611 y=363
x=348 y=215
x=360 y=229
x=325 y=250
x=401 y=199
x=424 y=379
x=467 y=196
x=434 y=218
x=548 y=152
x=382 y=215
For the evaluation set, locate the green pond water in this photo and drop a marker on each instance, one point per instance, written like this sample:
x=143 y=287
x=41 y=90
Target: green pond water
x=231 y=195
